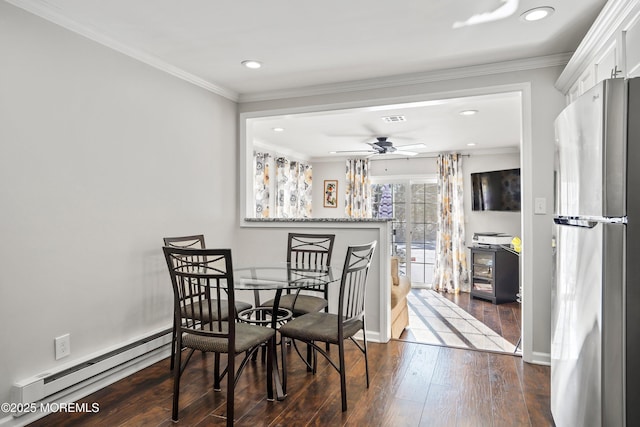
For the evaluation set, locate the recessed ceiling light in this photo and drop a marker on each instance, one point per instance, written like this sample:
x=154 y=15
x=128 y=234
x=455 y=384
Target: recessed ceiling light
x=537 y=13
x=278 y=129
x=468 y=112
x=251 y=63
x=471 y=144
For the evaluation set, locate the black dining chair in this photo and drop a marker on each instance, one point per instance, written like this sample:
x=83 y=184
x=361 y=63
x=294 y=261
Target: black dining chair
x=200 y=278
x=308 y=251
x=195 y=242
x=331 y=328
x=305 y=251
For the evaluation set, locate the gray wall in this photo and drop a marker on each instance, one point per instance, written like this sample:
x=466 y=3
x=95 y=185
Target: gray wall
x=321 y=172
x=503 y=222
x=479 y=221
x=100 y=157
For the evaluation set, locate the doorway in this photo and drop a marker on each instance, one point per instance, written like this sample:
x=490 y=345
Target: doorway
x=452 y=320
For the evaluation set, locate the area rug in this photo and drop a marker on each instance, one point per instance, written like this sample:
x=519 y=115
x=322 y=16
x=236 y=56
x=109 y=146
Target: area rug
x=433 y=319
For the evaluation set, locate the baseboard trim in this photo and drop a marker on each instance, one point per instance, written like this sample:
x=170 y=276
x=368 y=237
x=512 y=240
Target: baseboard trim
x=539 y=358
x=74 y=394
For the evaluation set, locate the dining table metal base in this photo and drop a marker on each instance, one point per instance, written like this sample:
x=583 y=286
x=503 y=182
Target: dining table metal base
x=278 y=278
x=263 y=316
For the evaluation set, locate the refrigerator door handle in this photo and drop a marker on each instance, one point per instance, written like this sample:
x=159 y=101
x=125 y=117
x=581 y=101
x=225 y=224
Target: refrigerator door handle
x=574 y=222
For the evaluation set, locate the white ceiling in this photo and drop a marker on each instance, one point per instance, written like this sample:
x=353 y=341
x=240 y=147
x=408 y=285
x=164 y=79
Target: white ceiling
x=305 y=44
x=436 y=124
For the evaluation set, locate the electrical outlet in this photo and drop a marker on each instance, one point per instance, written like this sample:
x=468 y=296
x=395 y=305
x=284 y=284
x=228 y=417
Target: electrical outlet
x=63 y=346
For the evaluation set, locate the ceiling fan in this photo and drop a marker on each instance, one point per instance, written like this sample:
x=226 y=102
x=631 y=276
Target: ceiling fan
x=384 y=146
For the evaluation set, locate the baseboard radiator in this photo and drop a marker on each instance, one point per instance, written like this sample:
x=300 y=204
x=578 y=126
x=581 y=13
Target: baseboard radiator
x=47 y=384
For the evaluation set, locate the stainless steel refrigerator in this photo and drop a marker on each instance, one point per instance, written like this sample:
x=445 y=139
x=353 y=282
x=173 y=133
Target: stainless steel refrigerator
x=595 y=336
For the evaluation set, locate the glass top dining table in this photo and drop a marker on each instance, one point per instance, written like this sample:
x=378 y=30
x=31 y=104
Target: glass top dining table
x=284 y=276
x=279 y=277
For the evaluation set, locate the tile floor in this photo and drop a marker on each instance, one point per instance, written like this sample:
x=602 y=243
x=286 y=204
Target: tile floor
x=433 y=319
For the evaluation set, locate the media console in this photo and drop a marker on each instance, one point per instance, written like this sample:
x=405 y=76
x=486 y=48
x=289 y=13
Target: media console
x=494 y=274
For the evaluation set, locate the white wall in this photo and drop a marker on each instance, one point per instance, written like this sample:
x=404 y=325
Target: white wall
x=269 y=245
x=404 y=167
x=100 y=157
x=541 y=104
x=479 y=221
x=475 y=221
x=331 y=171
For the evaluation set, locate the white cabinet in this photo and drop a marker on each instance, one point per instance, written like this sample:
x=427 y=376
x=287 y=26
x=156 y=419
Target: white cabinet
x=606 y=66
x=586 y=80
x=610 y=49
x=631 y=42
x=574 y=92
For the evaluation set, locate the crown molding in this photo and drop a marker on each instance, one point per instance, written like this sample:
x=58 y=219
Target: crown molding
x=560 y=59
x=45 y=11
x=604 y=27
x=274 y=150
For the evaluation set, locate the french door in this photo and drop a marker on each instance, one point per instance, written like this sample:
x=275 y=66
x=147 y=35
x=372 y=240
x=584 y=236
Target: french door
x=413 y=206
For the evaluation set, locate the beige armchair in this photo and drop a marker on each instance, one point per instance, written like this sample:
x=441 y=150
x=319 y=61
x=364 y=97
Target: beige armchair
x=400 y=287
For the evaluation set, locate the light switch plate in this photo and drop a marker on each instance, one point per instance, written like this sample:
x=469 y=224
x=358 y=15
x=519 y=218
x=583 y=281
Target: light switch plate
x=540 y=206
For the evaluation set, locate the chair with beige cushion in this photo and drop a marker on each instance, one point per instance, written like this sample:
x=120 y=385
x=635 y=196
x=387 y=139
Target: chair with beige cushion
x=200 y=277
x=400 y=288
x=195 y=242
x=308 y=250
x=331 y=328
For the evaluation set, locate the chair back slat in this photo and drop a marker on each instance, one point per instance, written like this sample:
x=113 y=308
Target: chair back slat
x=351 y=303
x=192 y=242
x=195 y=242
x=310 y=249
x=200 y=277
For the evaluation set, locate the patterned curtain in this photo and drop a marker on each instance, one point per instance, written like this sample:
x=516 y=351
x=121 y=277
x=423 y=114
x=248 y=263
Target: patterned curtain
x=450 y=271
x=293 y=189
x=358 y=189
x=261 y=184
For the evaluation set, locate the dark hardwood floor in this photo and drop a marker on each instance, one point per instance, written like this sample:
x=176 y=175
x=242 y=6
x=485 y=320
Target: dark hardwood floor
x=504 y=319
x=411 y=385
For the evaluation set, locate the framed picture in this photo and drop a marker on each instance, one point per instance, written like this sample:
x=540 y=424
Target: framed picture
x=330 y=193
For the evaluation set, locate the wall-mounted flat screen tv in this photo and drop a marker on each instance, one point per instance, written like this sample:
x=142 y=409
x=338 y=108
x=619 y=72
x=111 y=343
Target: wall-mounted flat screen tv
x=496 y=190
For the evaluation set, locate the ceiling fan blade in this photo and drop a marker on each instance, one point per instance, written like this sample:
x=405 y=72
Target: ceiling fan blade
x=411 y=146
x=348 y=135
x=353 y=151
x=404 y=153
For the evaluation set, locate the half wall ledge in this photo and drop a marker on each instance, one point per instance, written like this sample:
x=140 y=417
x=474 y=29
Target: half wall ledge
x=318 y=220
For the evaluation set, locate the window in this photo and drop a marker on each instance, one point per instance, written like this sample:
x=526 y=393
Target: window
x=412 y=205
